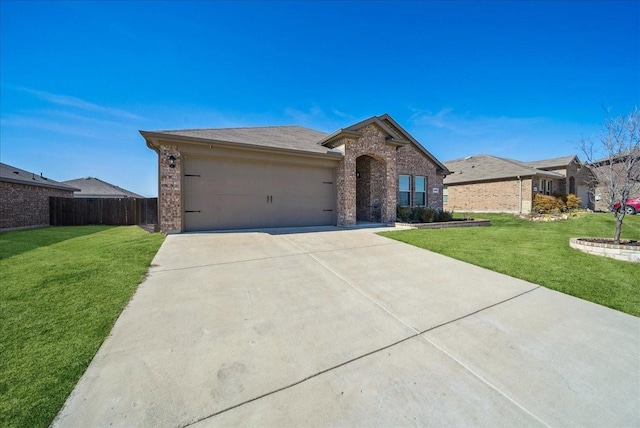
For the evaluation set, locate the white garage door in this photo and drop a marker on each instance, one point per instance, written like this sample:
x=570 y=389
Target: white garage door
x=232 y=194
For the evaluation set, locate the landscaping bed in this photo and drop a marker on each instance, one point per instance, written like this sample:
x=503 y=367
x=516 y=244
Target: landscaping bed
x=627 y=250
x=445 y=224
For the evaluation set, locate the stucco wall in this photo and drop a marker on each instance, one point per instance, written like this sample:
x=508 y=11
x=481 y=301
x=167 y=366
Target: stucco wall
x=24 y=206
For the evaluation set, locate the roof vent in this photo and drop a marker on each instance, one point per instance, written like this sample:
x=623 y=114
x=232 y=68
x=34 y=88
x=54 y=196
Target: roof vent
x=468 y=157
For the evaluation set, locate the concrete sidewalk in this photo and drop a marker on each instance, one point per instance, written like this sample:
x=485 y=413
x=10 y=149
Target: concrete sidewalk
x=326 y=326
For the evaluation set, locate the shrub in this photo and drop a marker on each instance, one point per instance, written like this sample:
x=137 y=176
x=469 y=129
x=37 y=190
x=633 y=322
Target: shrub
x=422 y=215
x=572 y=201
x=428 y=216
x=403 y=213
x=417 y=214
x=547 y=204
x=442 y=215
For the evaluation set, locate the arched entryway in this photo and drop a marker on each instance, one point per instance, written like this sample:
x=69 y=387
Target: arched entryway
x=370 y=188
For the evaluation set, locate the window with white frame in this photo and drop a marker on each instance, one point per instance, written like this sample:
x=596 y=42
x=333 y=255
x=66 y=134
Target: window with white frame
x=549 y=189
x=445 y=194
x=419 y=191
x=404 y=190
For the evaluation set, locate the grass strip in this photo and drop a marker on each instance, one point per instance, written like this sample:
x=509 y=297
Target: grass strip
x=62 y=290
x=539 y=252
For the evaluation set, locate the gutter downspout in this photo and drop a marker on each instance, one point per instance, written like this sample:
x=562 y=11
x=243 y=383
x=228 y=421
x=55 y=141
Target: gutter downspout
x=520 y=193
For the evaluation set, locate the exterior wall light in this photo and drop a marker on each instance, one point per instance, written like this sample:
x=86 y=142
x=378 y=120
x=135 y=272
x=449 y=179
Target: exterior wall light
x=172 y=161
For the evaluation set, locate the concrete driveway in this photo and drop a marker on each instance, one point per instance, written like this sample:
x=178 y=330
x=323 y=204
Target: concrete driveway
x=334 y=327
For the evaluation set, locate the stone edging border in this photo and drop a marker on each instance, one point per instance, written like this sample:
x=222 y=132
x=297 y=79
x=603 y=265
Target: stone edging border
x=444 y=224
x=629 y=253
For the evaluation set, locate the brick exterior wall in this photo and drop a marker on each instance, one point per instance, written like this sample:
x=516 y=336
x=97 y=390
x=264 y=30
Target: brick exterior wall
x=372 y=144
x=495 y=196
x=170 y=192
x=24 y=206
x=411 y=161
x=601 y=192
x=369 y=188
x=583 y=183
x=372 y=197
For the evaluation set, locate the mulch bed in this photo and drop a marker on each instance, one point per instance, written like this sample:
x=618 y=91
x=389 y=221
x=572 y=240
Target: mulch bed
x=631 y=242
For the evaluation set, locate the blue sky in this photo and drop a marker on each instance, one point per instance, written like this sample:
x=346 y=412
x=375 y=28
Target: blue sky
x=525 y=80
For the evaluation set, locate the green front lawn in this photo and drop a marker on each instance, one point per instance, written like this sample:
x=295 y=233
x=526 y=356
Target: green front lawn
x=540 y=253
x=62 y=290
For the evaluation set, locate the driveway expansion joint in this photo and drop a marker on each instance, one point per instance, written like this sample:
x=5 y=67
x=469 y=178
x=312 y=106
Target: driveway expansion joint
x=158 y=268
x=418 y=334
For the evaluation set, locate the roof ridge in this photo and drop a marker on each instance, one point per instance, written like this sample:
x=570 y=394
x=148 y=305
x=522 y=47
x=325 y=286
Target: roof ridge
x=237 y=127
x=469 y=157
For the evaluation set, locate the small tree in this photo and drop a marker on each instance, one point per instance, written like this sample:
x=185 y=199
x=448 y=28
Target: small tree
x=615 y=162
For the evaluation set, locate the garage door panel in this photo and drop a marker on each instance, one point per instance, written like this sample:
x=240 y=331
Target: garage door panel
x=229 y=212
x=225 y=194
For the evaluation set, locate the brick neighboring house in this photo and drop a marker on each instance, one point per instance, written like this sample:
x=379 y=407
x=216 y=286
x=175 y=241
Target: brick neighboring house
x=613 y=167
x=485 y=183
x=90 y=187
x=280 y=176
x=24 y=198
x=579 y=178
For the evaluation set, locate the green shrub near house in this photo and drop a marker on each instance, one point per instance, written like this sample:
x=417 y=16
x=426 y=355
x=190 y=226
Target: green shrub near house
x=62 y=290
x=422 y=215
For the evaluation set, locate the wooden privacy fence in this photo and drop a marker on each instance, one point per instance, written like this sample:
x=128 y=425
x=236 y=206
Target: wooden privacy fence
x=111 y=211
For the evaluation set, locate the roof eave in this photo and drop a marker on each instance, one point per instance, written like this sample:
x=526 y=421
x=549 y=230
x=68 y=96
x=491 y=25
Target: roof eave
x=38 y=184
x=510 y=177
x=153 y=142
x=338 y=135
x=439 y=164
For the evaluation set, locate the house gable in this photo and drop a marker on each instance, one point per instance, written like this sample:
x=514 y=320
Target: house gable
x=394 y=134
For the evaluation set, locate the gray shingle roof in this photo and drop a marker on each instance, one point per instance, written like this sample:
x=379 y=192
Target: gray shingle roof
x=291 y=138
x=487 y=168
x=551 y=163
x=11 y=174
x=90 y=187
x=283 y=137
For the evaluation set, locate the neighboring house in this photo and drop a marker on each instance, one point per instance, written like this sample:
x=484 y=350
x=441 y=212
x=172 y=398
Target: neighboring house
x=24 y=197
x=578 y=179
x=90 y=187
x=485 y=183
x=609 y=168
x=281 y=176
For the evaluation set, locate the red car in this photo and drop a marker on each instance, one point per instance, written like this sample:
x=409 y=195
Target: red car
x=633 y=206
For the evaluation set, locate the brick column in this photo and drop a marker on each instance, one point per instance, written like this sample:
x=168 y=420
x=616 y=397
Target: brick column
x=170 y=192
x=388 y=211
